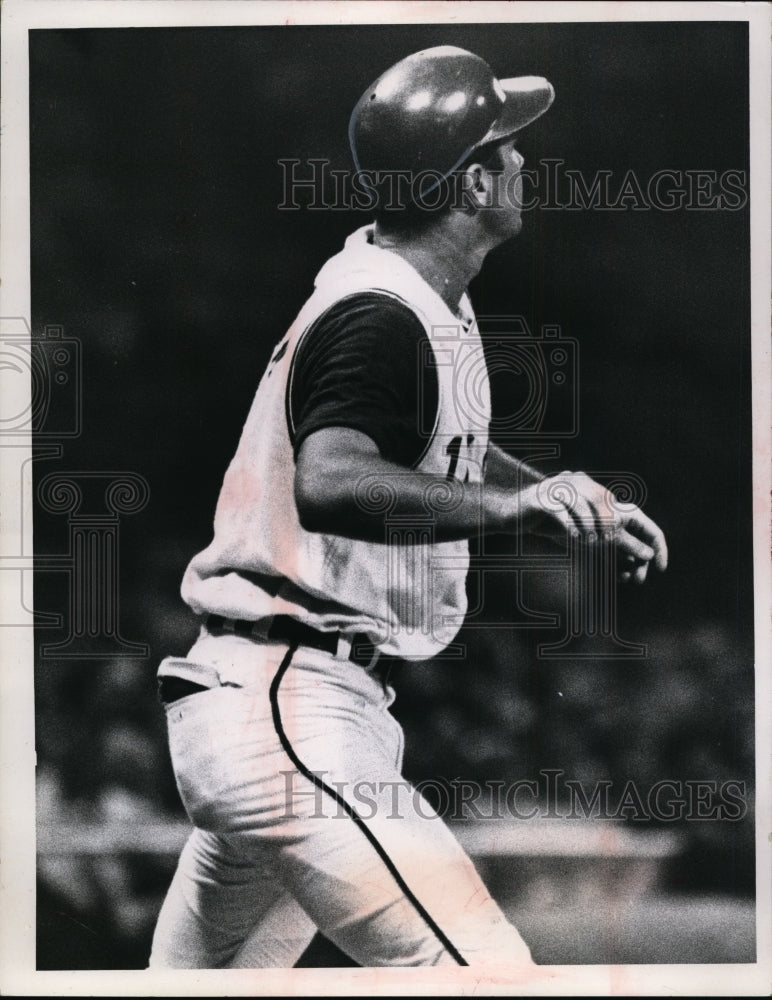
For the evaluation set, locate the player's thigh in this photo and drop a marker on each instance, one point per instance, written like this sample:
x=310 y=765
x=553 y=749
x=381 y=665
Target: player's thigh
x=219 y=899
x=279 y=937
x=385 y=879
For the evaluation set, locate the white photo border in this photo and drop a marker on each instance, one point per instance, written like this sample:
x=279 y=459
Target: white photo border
x=17 y=748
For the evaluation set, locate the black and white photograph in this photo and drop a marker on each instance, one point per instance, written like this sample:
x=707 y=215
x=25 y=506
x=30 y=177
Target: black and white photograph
x=385 y=514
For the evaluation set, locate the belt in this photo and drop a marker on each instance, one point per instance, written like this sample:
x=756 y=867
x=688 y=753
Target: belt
x=282 y=628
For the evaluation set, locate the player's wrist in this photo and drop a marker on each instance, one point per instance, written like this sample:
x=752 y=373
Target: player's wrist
x=509 y=511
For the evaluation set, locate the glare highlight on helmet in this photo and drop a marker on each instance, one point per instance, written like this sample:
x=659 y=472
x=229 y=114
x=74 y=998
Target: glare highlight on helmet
x=455 y=101
x=420 y=100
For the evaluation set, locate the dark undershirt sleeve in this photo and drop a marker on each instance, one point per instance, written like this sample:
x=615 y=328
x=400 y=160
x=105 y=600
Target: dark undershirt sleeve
x=366 y=364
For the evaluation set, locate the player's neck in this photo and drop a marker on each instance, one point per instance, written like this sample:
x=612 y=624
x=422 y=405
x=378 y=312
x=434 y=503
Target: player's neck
x=446 y=257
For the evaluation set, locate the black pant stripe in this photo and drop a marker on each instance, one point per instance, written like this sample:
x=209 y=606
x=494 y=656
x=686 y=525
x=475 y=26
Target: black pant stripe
x=350 y=811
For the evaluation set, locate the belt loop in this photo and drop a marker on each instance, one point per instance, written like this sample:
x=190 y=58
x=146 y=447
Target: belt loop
x=385 y=675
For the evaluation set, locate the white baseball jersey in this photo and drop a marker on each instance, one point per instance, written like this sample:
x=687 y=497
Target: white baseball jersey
x=407 y=593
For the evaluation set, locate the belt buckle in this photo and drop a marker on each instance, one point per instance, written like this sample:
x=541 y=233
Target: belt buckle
x=358 y=650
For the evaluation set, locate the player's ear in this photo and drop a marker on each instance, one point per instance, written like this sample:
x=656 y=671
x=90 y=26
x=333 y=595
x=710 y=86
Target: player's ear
x=476 y=186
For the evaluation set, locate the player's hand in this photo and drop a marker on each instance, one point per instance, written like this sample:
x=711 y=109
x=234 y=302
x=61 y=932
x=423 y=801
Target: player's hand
x=573 y=504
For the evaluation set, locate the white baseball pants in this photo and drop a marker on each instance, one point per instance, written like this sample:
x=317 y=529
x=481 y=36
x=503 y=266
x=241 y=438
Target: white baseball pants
x=303 y=821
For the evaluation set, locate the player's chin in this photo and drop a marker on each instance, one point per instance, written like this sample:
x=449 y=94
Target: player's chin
x=508 y=224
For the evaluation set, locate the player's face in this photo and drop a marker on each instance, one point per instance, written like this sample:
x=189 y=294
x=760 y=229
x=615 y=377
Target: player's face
x=507 y=202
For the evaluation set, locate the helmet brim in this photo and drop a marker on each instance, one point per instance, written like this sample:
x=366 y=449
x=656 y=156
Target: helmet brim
x=526 y=98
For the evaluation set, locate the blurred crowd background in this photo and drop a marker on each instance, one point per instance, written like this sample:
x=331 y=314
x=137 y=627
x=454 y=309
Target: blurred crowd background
x=157 y=242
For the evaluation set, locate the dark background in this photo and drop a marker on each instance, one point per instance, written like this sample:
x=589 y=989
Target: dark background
x=157 y=243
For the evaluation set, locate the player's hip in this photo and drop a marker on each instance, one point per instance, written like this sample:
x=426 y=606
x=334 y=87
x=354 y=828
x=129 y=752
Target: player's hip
x=236 y=751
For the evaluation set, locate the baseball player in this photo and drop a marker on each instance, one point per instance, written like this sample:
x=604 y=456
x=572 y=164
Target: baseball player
x=341 y=540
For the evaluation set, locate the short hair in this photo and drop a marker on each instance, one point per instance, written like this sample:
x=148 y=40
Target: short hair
x=410 y=215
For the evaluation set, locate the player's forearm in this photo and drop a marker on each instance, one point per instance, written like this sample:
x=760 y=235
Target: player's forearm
x=354 y=496
x=507 y=472
x=343 y=486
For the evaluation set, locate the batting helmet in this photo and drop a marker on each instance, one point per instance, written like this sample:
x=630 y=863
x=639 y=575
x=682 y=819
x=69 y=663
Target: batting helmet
x=431 y=110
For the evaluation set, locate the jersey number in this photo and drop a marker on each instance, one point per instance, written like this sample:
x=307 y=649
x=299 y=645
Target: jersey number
x=453 y=450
